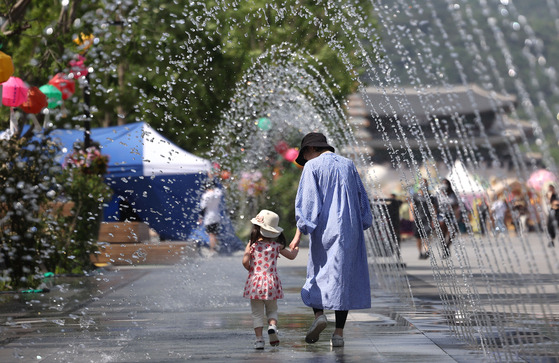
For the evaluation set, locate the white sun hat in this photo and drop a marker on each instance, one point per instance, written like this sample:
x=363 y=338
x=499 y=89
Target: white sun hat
x=268 y=222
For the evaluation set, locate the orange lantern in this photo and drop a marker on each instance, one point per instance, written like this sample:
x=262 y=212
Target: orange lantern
x=225 y=174
x=64 y=84
x=36 y=101
x=6 y=67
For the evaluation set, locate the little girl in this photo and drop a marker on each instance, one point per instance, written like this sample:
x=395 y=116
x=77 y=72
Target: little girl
x=263 y=286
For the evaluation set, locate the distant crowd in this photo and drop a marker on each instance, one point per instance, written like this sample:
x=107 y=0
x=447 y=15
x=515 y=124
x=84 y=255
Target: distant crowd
x=444 y=210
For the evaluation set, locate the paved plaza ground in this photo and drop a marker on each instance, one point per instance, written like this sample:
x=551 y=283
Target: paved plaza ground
x=194 y=311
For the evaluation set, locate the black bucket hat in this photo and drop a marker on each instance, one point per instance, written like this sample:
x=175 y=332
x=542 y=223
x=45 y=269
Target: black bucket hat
x=314 y=139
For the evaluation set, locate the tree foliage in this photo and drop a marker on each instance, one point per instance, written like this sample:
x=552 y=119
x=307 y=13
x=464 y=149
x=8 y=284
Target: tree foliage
x=173 y=64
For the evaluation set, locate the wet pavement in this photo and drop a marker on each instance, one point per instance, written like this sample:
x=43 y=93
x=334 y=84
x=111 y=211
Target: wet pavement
x=195 y=312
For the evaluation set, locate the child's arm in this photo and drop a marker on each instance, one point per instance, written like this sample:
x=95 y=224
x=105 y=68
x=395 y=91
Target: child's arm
x=246 y=257
x=290 y=253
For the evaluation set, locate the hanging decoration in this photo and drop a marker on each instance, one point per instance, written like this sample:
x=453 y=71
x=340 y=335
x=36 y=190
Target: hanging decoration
x=36 y=101
x=539 y=178
x=14 y=92
x=264 y=124
x=225 y=174
x=291 y=154
x=54 y=96
x=6 y=67
x=84 y=41
x=281 y=147
x=64 y=84
x=77 y=67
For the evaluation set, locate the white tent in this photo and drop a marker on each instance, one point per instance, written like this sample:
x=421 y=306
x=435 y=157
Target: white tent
x=463 y=182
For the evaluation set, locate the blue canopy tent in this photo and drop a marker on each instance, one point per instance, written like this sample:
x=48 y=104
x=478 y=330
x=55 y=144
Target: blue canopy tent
x=161 y=182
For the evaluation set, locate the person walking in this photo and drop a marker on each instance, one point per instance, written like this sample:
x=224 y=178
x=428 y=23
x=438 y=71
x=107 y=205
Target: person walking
x=420 y=216
x=210 y=206
x=448 y=215
x=553 y=222
x=263 y=286
x=332 y=207
x=499 y=211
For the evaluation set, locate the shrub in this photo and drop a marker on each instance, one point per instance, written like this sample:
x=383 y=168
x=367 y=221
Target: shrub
x=75 y=233
x=27 y=184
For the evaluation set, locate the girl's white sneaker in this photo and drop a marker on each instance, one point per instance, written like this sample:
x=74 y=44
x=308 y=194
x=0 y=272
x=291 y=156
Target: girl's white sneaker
x=259 y=344
x=273 y=335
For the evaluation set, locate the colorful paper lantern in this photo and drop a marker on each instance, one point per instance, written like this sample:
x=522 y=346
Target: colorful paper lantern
x=54 y=96
x=281 y=147
x=64 y=84
x=291 y=154
x=77 y=67
x=225 y=174
x=84 y=41
x=6 y=67
x=36 y=101
x=264 y=124
x=14 y=92
x=540 y=177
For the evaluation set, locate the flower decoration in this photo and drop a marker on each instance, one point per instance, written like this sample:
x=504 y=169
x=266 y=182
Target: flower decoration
x=89 y=161
x=252 y=183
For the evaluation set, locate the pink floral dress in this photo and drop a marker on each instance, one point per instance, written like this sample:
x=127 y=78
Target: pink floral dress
x=263 y=282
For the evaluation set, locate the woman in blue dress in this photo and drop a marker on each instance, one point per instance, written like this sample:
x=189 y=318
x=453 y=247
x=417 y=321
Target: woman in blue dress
x=333 y=208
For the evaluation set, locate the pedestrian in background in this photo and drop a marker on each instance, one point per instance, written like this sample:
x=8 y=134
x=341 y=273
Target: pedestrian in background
x=210 y=210
x=420 y=214
x=263 y=286
x=393 y=205
x=448 y=215
x=499 y=211
x=332 y=207
x=553 y=222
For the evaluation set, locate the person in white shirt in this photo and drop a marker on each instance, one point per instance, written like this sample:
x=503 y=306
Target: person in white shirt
x=210 y=205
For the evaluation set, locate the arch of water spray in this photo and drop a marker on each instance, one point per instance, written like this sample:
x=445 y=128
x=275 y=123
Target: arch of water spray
x=492 y=289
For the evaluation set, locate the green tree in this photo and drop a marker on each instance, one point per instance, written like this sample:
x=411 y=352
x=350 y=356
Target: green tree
x=172 y=64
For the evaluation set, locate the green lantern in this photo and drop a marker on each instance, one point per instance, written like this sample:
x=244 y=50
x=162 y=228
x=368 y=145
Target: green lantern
x=264 y=124
x=54 y=96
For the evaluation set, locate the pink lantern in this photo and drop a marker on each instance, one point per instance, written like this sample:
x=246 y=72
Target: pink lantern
x=291 y=154
x=14 y=92
x=77 y=67
x=64 y=84
x=539 y=178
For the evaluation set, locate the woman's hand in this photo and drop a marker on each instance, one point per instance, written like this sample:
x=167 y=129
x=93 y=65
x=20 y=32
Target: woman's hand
x=296 y=240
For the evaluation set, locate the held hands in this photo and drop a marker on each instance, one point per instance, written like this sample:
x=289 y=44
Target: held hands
x=296 y=240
